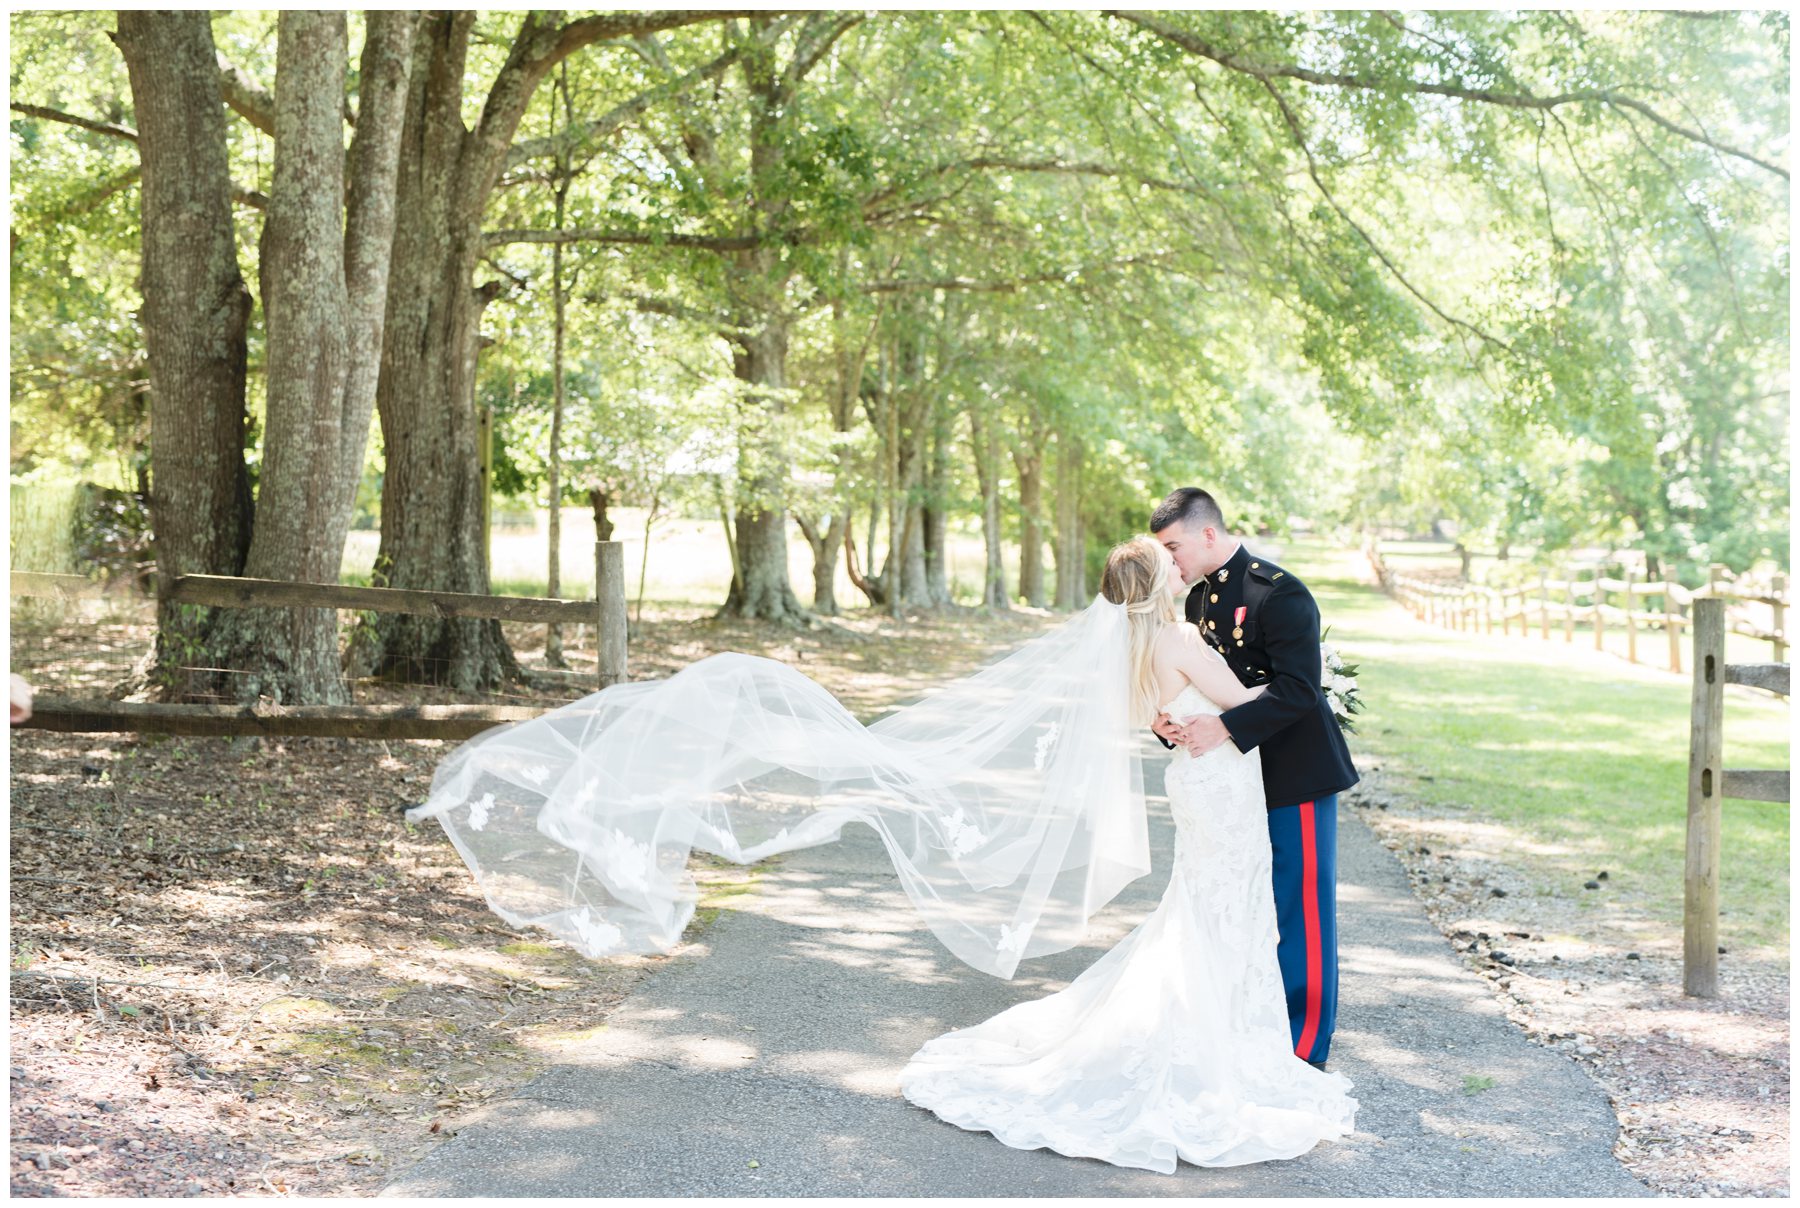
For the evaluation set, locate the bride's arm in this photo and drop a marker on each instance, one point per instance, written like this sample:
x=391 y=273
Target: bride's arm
x=1187 y=652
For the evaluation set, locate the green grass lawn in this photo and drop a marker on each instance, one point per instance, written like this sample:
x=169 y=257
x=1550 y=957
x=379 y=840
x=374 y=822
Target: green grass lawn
x=1579 y=755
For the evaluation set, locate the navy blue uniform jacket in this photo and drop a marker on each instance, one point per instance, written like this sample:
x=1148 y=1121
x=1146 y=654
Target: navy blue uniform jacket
x=1304 y=756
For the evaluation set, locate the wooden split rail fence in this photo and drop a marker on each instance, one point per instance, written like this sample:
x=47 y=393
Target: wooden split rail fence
x=1709 y=782
x=606 y=612
x=1559 y=605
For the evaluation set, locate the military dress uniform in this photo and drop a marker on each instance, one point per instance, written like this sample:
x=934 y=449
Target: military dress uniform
x=1265 y=623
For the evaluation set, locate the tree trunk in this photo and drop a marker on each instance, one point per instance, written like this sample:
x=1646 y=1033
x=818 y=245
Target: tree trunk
x=763 y=590
x=824 y=540
x=195 y=314
x=987 y=475
x=603 y=525
x=431 y=499
x=758 y=283
x=915 y=587
x=369 y=239
x=737 y=572
x=848 y=363
x=291 y=654
x=875 y=510
x=553 y=653
x=936 y=527
x=431 y=504
x=893 y=471
x=904 y=409
x=1030 y=466
x=1070 y=543
x=650 y=515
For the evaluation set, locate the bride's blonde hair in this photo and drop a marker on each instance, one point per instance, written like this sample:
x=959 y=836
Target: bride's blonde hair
x=1137 y=576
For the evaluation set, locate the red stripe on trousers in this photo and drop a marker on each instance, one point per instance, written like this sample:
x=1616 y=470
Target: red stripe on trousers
x=1309 y=897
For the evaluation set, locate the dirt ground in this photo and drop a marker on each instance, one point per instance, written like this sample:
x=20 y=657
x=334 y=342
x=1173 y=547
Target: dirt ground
x=237 y=970
x=1700 y=1085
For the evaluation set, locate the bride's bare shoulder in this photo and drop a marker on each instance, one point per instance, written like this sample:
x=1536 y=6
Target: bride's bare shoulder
x=1177 y=635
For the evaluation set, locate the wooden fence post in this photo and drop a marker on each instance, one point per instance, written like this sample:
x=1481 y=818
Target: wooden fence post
x=1672 y=622
x=1599 y=613
x=1543 y=605
x=609 y=594
x=1569 y=615
x=1700 y=916
x=1631 y=613
x=1777 y=593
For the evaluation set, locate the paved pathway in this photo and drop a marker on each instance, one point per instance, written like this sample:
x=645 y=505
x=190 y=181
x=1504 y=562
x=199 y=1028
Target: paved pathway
x=779 y=1042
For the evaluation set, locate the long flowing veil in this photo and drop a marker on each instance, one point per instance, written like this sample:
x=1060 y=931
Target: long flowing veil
x=1010 y=801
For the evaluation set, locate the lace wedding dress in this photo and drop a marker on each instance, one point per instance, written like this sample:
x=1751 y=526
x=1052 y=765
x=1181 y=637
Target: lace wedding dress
x=1176 y=1043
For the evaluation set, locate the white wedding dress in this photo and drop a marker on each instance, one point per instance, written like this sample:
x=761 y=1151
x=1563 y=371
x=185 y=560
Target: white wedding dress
x=1176 y=1043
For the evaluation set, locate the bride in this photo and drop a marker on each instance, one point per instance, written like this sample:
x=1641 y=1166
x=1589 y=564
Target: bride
x=1176 y=1042
x=1011 y=804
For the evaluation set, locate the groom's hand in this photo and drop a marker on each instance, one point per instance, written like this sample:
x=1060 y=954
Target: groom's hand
x=1205 y=733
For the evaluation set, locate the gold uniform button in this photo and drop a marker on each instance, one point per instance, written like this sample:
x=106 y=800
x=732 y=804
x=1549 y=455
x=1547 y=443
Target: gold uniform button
x=1240 y=641
x=1215 y=598
x=1212 y=624
x=1255 y=565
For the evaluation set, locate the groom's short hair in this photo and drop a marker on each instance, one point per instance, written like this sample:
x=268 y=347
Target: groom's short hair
x=1190 y=506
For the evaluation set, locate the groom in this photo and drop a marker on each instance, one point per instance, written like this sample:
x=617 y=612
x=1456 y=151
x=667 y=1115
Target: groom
x=1264 y=621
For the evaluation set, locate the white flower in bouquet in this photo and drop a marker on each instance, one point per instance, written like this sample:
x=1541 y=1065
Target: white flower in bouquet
x=1337 y=679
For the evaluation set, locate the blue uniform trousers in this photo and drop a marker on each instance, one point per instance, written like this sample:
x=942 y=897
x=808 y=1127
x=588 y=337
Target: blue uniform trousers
x=1304 y=839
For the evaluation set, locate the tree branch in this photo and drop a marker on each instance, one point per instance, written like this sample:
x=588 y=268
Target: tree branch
x=252 y=102
x=1006 y=286
x=1264 y=71
x=1700 y=220
x=520 y=283
x=709 y=243
x=70 y=119
x=991 y=163
x=126 y=179
x=671 y=308
x=814 y=43
x=1312 y=170
x=576 y=137
x=607 y=27
x=96 y=196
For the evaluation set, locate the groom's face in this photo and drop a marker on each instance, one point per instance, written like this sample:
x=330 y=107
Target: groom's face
x=1195 y=549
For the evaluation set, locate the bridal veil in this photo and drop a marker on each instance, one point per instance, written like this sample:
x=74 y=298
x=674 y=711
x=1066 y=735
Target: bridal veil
x=1010 y=801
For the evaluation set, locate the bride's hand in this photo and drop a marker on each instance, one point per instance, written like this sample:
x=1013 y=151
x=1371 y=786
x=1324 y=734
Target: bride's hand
x=1165 y=728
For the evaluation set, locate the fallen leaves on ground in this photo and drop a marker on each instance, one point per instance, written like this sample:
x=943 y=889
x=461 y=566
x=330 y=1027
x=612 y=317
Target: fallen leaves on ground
x=237 y=971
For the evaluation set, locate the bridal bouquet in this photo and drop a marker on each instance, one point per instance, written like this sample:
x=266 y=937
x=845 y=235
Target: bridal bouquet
x=1338 y=679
